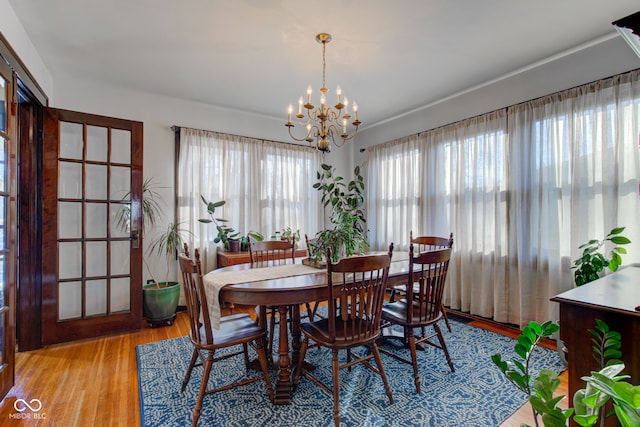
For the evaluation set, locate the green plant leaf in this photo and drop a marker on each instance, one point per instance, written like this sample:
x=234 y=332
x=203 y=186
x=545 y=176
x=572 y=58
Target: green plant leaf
x=518 y=364
x=586 y=420
x=525 y=341
x=554 y=418
x=615 y=262
x=535 y=328
x=537 y=404
x=627 y=416
x=519 y=380
x=620 y=240
x=521 y=350
x=549 y=328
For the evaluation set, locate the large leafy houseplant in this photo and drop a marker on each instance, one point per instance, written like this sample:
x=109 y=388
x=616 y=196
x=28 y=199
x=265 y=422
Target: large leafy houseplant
x=593 y=261
x=589 y=402
x=346 y=203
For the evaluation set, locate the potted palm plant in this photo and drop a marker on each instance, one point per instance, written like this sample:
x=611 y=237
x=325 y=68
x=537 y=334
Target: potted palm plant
x=159 y=298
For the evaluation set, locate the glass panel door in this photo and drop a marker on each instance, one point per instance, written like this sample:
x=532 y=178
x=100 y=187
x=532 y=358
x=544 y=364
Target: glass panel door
x=97 y=286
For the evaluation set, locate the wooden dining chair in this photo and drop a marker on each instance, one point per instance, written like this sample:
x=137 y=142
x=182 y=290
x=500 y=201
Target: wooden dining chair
x=427 y=270
x=422 y=244
x=356 y=290
x=311 y=311
x=235 y=330
x=269 y=253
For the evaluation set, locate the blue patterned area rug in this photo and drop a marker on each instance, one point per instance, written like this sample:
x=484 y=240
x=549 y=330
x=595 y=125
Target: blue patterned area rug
x=477 y=394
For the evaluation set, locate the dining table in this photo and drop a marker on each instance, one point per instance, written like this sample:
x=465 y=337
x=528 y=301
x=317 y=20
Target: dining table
x=283 y=286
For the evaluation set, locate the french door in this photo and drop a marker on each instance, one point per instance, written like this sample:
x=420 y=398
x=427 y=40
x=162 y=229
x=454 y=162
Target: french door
x=92 y=248
x=8 y=226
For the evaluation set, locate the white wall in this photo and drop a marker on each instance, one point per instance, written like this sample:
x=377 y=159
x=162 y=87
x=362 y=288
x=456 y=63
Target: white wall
x=16 y=35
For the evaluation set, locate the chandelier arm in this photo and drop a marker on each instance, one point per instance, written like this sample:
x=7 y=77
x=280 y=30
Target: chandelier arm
x=332 y=114
x=305 y=138
x=337 y=126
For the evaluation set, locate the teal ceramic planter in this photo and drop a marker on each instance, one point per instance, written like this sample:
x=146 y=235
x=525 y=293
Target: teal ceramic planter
x=160 y=303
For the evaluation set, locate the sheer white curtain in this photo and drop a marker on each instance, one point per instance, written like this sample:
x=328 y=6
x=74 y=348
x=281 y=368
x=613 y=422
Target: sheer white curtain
x=451 y=179
x=521 y=189
x=575 y=175
x=266 y=185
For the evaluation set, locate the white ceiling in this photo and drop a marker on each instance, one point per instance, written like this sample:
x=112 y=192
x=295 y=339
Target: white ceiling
x=259 y=56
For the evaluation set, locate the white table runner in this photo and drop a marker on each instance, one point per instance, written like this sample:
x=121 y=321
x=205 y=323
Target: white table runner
x=214 y=281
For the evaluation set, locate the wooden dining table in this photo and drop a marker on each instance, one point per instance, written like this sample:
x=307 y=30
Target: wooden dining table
x=284 y=292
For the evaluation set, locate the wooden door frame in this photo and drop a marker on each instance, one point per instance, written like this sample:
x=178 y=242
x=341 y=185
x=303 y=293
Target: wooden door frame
x=31 y=100
x=29 y=294
x=10 y=227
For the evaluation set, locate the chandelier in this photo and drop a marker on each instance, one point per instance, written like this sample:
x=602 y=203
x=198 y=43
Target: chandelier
x=325 y=125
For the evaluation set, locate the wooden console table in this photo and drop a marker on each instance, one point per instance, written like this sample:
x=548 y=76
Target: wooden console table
x=225 y=259
x=612 y=299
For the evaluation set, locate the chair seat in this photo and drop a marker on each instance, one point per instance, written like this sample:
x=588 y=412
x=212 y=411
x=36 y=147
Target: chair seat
x=396 y=312
x=318 y=331
x=234 y=329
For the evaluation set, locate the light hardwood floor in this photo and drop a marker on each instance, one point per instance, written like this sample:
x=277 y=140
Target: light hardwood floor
x=95 y=383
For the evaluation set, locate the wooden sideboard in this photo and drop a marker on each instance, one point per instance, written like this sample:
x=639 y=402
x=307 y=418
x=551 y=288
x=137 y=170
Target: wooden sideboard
x=612 y=299
x=225 y=259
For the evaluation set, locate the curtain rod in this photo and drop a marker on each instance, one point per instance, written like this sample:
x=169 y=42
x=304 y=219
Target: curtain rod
x=518 y=104
x=177 y=128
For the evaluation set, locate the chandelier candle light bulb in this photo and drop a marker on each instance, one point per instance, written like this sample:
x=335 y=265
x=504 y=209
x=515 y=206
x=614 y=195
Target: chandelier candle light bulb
x=324 y=124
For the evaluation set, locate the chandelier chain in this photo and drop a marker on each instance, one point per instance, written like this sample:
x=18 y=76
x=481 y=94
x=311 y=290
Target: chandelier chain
x=324 y=63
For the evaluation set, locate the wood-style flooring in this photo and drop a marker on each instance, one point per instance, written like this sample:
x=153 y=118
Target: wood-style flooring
x=95 y=383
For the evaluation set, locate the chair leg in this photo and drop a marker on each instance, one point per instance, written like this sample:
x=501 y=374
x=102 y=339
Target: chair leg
x=387 y=388
x=414 y=358
x=245 y=350
x=444 y=346
x=203 y=388
x=335 y=371
x=392 y=295
x=446 y=319
x=310 y=312
x=187 y=376
x=262 y=357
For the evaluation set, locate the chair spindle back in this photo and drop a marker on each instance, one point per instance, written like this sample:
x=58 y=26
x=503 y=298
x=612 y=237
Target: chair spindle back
x=356 y=293
x=427 y=273
x=272 y=252
x=197 y=306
